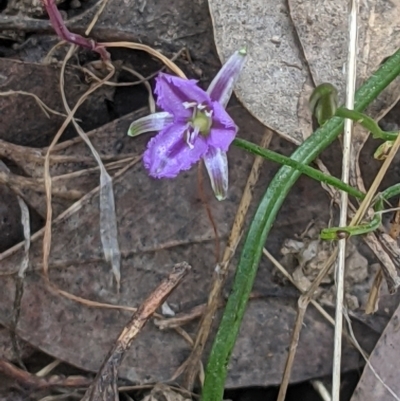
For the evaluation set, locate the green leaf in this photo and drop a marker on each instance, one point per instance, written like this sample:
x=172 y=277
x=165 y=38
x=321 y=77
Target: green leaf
x=261 y=225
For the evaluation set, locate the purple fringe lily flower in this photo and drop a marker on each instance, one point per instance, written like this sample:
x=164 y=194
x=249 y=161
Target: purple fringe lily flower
x=194 y=125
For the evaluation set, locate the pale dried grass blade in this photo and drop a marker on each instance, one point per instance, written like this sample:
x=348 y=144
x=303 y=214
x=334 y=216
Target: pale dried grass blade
x=46 y=109
x=96 y=17
x=344 y=201
x=152 y=103
x=138 y=46
x=321 y=390
x=25 y=221
x=47 y=177
x=108 y=218
x=27 y=236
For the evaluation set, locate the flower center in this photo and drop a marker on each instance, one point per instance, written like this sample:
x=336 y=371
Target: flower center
x=199 y=123
x=202 y=122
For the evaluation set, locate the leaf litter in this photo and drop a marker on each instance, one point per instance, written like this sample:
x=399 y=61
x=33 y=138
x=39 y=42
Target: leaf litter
x=138 y=249
x=294 y=114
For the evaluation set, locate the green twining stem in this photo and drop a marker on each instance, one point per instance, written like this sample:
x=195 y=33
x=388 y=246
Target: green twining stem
x=261 y=225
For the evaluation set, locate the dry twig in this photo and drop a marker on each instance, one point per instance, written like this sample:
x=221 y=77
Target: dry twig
x=104 y=386
x=34 y=382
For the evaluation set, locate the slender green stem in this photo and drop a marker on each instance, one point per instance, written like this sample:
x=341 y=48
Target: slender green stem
x=303 y=168
x=261 y=225
x=390 y=192
x=367 y=122
x=335 y=233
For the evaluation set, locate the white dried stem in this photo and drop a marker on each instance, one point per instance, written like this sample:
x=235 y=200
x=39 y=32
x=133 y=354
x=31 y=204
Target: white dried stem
x=348 y=126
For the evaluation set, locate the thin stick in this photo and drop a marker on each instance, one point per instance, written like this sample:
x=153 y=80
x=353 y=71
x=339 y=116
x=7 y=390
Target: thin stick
x=33 y=382
x=302 y=304
x=105 y=382
x=339 y=272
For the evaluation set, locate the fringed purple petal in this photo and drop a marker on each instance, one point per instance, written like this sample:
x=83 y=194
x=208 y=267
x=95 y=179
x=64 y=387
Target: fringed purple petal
x=221 y=87
x=152 y=122
x=168 y=153
x=223 y=130
x=173 y=92
x=216 y=163
x=221 y=138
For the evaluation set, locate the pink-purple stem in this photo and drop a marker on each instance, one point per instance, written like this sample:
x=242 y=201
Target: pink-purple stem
x=62 y=31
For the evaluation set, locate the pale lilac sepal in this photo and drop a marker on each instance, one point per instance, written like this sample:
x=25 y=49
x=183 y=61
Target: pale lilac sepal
x=221 y=87
x=152 y=122
x=216 y=162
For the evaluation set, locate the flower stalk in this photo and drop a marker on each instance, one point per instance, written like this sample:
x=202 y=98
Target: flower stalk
x=64 y=33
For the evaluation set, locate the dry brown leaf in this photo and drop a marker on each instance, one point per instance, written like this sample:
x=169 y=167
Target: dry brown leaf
x=22 y=121
x=385 y=361
x=290 y=48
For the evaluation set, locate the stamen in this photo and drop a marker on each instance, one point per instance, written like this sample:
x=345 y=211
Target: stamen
x=201 y=106
x=188 y=105
x=191 y=136
x=187 y=139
